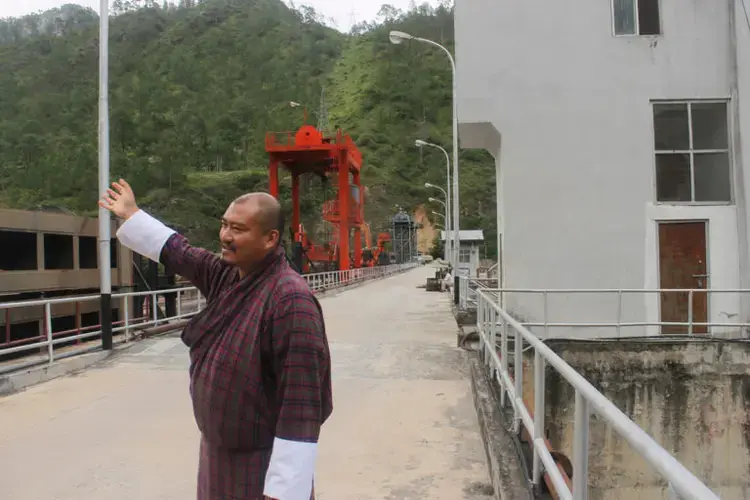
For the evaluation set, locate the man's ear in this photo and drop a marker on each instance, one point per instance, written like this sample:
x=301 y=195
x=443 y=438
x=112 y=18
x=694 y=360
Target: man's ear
x=275 y=234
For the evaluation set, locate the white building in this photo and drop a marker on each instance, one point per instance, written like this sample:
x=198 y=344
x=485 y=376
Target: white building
x=621 y=133
x=470 y=242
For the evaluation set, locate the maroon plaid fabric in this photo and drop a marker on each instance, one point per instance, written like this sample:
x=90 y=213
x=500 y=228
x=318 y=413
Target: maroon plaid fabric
x=259 y=366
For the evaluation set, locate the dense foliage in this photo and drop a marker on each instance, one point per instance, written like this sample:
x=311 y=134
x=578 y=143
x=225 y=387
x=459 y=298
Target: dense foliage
x=194 y=87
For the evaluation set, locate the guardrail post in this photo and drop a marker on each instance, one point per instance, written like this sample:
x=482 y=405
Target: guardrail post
x=493 y=339
x=7 y=326
x=155 y=305
x=518 y=378
x=690 y=312
x=480 y=327
x=671 y=493
x=619 y=311
x=538 y=414
x=581 y=449
x=492 y=345
x=503 y=358
x=48 y=332
x=126 y=315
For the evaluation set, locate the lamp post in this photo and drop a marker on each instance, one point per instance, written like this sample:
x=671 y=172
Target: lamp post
x=442 y=203
x=450 y=220
x=445 y=221
x=397 y=37
x=105 y=271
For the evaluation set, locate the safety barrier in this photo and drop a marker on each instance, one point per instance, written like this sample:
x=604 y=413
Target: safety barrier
x=494 y=322
x=622 y=310
x=467 y=288
x=188 y=302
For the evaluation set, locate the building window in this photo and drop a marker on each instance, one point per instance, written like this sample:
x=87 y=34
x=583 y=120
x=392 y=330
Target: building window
x=20 y=250
x=464 y=255
x=691 y=141
x=636 y=17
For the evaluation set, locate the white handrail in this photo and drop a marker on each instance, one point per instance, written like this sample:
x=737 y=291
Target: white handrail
x=587 y=399
x=467 y=300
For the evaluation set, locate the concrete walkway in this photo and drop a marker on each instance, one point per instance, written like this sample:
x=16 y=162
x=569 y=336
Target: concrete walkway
x=403 y=425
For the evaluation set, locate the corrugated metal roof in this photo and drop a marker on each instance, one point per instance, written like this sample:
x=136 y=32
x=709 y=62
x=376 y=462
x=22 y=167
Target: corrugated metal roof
x=466 y=235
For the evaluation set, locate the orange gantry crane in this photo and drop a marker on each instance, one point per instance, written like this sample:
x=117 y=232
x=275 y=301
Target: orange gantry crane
x=307 y=151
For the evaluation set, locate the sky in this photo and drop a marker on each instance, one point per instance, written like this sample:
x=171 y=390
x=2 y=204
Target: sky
x=342 y=11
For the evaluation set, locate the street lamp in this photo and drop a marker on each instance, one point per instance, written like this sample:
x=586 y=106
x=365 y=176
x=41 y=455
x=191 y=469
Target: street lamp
x=430 y=185
x=452 y=246
x=105 y=221
x=437 y=201
x=446 y=217
x=398 y=37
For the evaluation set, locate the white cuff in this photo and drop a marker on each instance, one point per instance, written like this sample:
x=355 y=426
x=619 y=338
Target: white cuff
x=144 y=235
x=291 y=470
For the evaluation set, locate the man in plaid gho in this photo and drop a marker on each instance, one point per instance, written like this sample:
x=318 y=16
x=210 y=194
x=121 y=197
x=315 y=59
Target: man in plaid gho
x=260 y=372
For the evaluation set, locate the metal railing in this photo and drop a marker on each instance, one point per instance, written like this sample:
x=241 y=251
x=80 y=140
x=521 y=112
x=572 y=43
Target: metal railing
x=188 y=302
x=620 y=324
x=467 y=288
x=493 y=322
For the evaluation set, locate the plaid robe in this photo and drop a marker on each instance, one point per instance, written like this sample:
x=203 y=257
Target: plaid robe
x=260 y=368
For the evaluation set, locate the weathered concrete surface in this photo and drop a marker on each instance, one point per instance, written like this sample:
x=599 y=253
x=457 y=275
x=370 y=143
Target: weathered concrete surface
x=403 y=426
x=21 y=379
x=692 y=397
x=507 y=474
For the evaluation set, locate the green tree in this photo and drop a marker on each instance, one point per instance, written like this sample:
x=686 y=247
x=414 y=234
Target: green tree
x=195 y=86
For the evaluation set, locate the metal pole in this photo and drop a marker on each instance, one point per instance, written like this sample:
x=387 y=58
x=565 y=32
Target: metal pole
x=449 y=217
x=455 y=222
x=456 y=240
x=105 y=271
x=446 y=251
x=448 y=240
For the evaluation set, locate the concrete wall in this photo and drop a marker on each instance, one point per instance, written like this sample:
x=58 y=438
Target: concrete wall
x=576 y=183
x=693 y=398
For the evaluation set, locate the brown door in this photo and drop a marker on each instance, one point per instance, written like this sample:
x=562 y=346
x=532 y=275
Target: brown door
x=682 y=265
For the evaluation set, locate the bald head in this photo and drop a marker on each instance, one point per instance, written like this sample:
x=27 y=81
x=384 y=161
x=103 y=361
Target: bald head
x=267 y=211
x=251 y=228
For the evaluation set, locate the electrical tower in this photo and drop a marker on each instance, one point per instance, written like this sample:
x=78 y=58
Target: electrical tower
x=404 y=237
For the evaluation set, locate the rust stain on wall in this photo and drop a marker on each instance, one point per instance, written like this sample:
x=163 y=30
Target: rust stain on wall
x=693 y=398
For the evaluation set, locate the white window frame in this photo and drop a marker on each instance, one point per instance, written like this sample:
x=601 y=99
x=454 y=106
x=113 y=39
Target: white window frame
x=464 y=251
x=691 y=151
x=637 y=21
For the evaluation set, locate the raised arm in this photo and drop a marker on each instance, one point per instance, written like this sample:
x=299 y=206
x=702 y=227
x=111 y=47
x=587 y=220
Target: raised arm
x=303 y=370
x=149 y=237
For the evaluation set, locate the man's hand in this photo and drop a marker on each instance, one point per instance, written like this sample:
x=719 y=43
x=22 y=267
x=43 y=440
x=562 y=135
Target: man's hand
x=121 y=201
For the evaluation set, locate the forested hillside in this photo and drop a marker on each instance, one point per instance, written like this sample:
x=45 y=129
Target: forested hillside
x=195 y=87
